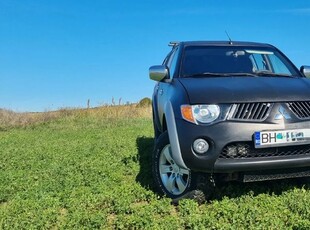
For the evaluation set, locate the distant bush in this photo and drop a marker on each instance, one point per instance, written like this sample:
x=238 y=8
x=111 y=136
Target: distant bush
x=145 y=102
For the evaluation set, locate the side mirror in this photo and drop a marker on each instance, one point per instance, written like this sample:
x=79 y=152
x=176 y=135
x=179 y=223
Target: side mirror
x=305 y=70
x=158 y=72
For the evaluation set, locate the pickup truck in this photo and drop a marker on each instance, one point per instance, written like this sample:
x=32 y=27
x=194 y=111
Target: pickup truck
x=228 y=111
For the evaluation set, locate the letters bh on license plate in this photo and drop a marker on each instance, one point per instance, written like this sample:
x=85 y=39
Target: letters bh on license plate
x=281 y=138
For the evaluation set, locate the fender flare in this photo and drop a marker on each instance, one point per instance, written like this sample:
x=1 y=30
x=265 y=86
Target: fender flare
x=173 y=136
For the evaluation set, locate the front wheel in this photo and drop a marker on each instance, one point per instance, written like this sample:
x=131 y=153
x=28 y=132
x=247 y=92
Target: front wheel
x=170 y=179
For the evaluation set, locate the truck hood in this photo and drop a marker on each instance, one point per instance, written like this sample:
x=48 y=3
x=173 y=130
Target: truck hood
x=246 y=89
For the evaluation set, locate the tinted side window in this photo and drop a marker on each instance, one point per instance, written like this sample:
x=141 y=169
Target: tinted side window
x=173 y=62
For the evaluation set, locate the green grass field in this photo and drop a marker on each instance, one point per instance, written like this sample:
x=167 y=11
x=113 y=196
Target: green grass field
x=92 y=171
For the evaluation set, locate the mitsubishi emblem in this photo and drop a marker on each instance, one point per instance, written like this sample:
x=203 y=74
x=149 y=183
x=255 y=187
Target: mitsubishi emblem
x=282 y=113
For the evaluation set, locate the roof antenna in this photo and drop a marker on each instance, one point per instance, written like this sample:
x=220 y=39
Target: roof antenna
x=230 y=41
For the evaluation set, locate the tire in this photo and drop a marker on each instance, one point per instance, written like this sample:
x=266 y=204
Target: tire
x=173 y=181
x=156 y=131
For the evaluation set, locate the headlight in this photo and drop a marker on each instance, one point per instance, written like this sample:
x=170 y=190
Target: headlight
x=200 y=113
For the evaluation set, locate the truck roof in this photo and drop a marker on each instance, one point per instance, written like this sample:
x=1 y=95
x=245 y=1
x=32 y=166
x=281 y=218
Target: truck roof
x=219 y=43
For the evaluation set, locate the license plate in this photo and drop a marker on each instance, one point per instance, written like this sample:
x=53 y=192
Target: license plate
x=281 y=138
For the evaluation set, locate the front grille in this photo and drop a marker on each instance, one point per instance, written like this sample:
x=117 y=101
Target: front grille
x=301 y=109
x=250 y=111
x=247 y=150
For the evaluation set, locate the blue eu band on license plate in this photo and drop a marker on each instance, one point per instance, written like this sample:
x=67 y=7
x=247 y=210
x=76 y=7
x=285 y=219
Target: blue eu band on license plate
x=281 y=137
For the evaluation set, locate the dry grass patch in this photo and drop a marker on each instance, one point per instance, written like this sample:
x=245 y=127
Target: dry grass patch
x=10 y=119
x=121 y=111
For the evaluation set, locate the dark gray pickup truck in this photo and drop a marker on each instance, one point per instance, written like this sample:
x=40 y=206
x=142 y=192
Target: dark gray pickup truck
x=228 y=111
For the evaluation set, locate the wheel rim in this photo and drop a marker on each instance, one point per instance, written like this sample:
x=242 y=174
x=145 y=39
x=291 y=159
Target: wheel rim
x=174 y=178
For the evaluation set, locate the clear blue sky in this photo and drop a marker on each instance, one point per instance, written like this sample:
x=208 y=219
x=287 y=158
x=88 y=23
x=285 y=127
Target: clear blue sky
x=61 y=53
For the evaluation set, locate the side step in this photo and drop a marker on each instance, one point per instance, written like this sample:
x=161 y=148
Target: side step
x=275 y=174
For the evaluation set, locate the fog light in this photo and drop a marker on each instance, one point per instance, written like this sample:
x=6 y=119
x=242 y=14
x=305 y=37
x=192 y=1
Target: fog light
x=200 y=146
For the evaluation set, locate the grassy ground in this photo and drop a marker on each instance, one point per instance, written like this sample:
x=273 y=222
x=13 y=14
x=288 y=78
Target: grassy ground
x=91 y=169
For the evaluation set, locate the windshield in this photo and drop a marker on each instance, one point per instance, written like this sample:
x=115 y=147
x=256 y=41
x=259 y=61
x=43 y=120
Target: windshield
x=234 y=61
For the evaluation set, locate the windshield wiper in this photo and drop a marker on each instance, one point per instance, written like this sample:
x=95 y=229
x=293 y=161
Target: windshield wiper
x=204 y=74
x=271 y=74
x=241 y=74
x=256 y=74
x=220 y=74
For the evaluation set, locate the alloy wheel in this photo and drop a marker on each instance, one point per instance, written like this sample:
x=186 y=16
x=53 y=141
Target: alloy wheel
x=174 y=178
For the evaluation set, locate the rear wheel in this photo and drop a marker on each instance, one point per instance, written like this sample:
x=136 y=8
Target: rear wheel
x=170 y=179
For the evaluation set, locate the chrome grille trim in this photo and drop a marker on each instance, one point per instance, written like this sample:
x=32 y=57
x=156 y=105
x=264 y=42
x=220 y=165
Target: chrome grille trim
x=257 y=111
x=301 y=109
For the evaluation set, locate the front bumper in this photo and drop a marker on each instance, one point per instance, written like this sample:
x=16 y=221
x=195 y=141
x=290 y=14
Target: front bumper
x=224 y=133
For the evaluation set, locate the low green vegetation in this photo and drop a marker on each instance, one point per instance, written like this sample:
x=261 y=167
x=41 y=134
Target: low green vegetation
x=90 y=170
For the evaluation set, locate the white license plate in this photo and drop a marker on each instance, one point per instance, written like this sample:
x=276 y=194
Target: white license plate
x=281 y=138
